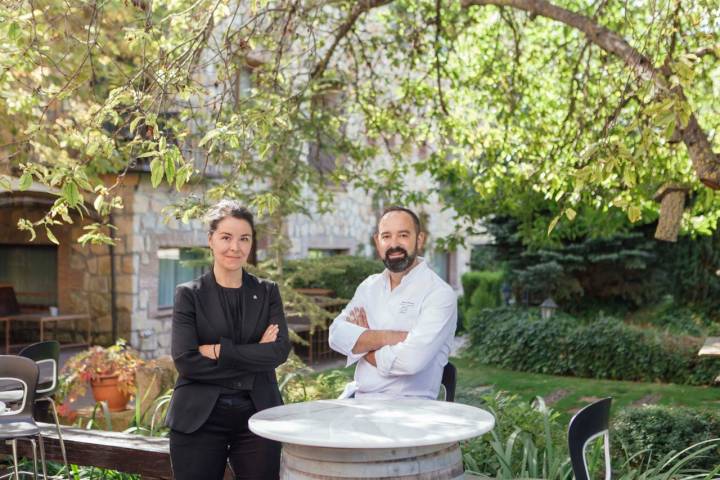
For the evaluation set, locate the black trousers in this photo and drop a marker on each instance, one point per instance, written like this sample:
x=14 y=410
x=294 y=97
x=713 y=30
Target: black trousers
x=203 y=454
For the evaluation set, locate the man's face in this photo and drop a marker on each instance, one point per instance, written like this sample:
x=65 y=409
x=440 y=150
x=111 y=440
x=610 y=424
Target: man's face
x=397 y=241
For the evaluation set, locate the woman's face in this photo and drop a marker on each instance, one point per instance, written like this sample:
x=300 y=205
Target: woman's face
x=231 y=243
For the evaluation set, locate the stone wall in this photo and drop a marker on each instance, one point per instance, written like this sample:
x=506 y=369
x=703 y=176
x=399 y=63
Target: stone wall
x=351 y=226
x=147 y=230
x=82 y=272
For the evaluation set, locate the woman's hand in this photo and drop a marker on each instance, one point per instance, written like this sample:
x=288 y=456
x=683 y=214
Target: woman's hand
x=210 y=351
x=270 y=334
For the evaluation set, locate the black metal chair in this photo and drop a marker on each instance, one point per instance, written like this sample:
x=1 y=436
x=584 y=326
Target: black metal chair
x=17 y=423
x=47 y=357
x=588 y=424
x=449 y=381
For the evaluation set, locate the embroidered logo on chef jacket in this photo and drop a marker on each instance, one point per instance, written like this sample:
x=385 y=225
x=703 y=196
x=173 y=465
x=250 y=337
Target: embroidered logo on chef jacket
x=405 y=306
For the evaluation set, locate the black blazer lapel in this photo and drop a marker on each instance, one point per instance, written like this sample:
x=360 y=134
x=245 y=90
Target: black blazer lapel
x=253 y=299
x=211 y=303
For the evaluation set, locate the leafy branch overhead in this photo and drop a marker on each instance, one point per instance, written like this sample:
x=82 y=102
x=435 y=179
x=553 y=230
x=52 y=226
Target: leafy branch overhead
x=543 y=110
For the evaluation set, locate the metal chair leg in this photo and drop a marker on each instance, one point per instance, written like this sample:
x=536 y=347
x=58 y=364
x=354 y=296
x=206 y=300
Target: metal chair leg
x=34 y=449
x=60 y=438
x=43 y=463
x=15 y=459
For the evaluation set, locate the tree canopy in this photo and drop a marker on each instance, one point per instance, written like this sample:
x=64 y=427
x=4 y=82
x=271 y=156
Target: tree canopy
x=568 y=115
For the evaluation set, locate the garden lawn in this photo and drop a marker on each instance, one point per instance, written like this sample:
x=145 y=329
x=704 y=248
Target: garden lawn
x=567 y=394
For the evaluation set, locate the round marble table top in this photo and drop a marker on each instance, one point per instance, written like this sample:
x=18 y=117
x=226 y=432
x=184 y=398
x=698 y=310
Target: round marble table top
x=371 y=423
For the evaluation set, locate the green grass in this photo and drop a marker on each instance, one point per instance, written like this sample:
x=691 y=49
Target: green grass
x=472 y=377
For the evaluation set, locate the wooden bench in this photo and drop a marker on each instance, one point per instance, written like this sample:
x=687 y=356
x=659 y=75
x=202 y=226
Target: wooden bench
x=147 y=456
x=124 y=452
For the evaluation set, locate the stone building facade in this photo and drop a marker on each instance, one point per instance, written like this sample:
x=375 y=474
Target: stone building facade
x=86 y=278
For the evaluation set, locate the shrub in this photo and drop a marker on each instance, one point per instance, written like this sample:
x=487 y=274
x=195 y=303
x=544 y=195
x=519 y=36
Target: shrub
x=530 y=424
x=677 y=319
x=482 y=289
x=460 y=316
x=519 y=339
x=660 y=430
x=341 y=274
x=529 y=441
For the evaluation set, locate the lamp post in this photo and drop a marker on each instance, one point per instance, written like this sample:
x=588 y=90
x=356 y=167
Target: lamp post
x=547 y=308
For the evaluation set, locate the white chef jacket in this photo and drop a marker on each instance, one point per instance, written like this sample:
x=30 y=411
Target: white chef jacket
x=423 y=305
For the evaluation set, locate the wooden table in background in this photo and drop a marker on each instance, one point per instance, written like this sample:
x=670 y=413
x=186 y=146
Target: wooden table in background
x=41 y=319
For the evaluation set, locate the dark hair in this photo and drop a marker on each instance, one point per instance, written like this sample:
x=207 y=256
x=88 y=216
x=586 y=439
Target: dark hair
x=397 y=208
x=232 y=208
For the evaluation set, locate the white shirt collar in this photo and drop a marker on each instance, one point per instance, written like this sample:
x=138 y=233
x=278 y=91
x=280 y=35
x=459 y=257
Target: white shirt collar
x=421 y=265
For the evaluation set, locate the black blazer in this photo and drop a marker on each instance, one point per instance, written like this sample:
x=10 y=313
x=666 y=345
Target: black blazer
x=199 y=319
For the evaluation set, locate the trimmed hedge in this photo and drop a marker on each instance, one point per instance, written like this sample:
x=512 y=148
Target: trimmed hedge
x=519 y=339
x=661 y=430
x=341 y=274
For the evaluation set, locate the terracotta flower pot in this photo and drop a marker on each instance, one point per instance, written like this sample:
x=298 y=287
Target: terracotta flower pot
x=106 y=389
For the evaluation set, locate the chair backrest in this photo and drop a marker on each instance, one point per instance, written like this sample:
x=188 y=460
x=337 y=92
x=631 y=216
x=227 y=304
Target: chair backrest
x=14 y=369
x=47 y=356
x=588 y=424
x=8 y=301
x=449 y=381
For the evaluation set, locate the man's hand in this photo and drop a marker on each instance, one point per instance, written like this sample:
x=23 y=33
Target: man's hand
x=270 y=335
x=370 y=358
x=358 y=316
x=210 y=351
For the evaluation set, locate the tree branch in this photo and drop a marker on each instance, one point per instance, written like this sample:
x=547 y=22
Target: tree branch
x=438 y=29
x=705 y=162
x=358 y=9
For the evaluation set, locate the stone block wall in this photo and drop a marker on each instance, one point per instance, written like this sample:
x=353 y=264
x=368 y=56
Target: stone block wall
x=82 y=272
x=146 y=231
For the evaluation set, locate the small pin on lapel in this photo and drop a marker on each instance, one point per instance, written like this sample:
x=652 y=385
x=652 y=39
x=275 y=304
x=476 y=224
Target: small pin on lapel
x=254 y=297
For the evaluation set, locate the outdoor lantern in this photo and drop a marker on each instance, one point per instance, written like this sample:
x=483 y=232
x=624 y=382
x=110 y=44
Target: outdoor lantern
x=506 y=292
x=547 y=308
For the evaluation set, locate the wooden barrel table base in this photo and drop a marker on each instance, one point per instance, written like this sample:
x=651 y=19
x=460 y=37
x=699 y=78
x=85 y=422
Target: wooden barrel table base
x=435 y=462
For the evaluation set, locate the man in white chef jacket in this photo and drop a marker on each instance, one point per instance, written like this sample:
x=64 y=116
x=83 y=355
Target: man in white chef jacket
x=399 y=325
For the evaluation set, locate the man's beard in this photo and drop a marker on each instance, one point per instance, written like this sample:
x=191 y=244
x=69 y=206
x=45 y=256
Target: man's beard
x=397 y=265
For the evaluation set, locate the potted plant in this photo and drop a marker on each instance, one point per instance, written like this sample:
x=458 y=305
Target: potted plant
x=109 y=370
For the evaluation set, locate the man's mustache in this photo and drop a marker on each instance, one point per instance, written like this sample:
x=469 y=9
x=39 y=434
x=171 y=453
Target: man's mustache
x=392 y=250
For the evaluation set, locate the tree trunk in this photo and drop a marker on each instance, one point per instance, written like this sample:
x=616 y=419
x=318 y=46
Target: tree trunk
x=671 y=212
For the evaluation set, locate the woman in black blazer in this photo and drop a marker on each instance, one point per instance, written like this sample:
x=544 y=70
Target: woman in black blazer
x=228 y=335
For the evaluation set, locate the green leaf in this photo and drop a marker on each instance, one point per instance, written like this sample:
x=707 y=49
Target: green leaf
x=51 y=236
x=71 y=194
x=156 y=172
x=634 y=213
x=170 y=167
x=570 y=214
x=208 y=136
x=151 y=153
x=25 y=181
x=182 y=176
x=5 y=183
x=629 y=175
x=552 y=225
x=98 y=203
x=135 y=122
x=14 y=31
